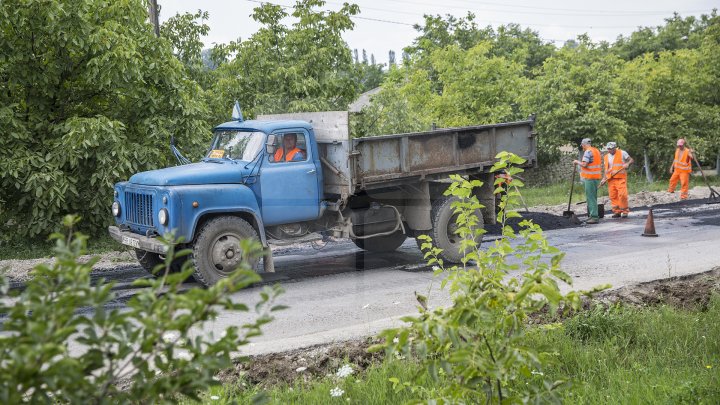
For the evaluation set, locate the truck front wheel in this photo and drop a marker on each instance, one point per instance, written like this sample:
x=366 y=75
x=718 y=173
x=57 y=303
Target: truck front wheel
x=444 y=229
x=148 y=260
x=385 y=243
x=216 y=251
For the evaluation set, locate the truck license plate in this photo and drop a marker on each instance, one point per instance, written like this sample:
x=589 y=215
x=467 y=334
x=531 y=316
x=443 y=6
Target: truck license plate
x=126 y=240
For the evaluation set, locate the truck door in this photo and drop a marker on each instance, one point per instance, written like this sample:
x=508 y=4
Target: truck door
x=288 y=181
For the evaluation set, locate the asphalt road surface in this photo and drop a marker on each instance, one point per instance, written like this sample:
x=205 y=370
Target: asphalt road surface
x=340 y=292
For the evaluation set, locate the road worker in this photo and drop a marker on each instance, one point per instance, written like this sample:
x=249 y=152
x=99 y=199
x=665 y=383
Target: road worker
x=289 y=152
x=681 y=169
x=590 y=173
x=616 y=164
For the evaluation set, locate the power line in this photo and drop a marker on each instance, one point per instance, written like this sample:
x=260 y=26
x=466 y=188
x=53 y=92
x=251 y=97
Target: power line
x=388 y=21
x=612 y=12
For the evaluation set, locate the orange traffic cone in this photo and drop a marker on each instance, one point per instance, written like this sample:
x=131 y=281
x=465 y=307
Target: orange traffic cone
x=650 y=225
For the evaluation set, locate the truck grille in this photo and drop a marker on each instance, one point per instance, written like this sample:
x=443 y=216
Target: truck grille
x=139 y=208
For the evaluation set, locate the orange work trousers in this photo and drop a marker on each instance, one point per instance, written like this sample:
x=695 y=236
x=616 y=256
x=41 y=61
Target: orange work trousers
x=684 y=178
x=617 y=189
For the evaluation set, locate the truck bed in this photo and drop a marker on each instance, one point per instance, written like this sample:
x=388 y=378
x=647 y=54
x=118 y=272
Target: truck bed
x=351 y=165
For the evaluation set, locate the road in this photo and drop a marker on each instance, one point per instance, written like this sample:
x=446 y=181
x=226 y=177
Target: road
x=342 y=293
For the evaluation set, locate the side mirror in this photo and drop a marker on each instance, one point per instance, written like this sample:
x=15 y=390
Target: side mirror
x=270 y=144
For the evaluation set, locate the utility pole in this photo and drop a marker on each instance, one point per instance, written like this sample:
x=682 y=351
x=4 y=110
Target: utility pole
x=154 y=15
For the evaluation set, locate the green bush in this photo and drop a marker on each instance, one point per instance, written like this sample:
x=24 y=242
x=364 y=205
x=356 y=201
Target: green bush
x=479 y=342
x=88 y=97
x=60 y=343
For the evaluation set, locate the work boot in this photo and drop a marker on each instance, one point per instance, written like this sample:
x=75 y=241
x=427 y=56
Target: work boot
x=616 y=215
x=592 y=221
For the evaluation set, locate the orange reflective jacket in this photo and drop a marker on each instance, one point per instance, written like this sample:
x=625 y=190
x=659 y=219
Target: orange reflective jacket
x=288 y=157
x=682 y=161
x=616 y=165
x=593 y=171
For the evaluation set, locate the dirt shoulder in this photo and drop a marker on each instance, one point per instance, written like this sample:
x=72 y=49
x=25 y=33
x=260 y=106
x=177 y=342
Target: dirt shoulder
x=637 y=200
x=19 y=270
x=685 y=292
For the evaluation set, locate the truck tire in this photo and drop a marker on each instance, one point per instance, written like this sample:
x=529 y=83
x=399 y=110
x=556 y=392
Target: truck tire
x=386 y=243
x=216 y=251
x=443 y=232
x=148 y=260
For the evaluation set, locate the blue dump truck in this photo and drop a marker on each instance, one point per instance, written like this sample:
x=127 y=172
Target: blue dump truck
x=292 y=178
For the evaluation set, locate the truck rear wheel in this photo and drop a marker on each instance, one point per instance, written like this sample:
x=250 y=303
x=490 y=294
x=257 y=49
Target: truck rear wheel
x=385 y=243
x=216 y=251
x=443 y=232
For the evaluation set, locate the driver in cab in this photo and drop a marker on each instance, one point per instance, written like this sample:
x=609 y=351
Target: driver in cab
x=289 y=151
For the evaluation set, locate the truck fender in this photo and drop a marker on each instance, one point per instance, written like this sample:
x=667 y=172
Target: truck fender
x=198 y=202
x=258 y=223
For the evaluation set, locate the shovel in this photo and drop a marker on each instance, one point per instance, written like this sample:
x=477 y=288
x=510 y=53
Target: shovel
x=714 y=195
x=569 y=213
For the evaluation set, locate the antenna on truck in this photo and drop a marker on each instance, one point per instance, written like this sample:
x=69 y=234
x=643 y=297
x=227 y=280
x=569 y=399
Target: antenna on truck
x=237 y=112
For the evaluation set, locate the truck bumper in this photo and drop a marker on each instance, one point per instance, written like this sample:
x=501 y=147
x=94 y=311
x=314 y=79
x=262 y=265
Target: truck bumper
x=141 y=242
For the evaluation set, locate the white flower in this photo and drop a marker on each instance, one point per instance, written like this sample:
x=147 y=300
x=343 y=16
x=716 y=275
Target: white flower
x=399 y=356
x=300 y=369
x=183 y=355
x=344 y=371
x=396 y=340
x=214 y=397
x=435 y=268
x=170 y=337
x=336 y=392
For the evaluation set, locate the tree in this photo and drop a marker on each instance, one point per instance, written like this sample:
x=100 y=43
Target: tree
x=88 y=96
x=510 y=41
x=469 y=87
x=574 y=97
x=303 y=67
x=676 y=33
x=184 y=31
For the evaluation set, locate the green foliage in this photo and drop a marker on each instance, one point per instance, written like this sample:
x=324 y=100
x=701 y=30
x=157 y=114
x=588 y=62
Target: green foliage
x=184 y=31
x=509 y=41
x=479 y=342
x=303 y=67
x=61 y=343
x=88 y=97
x=575 y=96
x=475 y=88
x=600 y=324
x=676 y=33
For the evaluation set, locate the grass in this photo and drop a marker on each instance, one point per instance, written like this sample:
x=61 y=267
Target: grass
x=34 y=249
x=558 y=193
x=619 y=355
x=372 y=387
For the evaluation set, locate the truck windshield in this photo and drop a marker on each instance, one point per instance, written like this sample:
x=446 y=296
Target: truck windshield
x=236 y=145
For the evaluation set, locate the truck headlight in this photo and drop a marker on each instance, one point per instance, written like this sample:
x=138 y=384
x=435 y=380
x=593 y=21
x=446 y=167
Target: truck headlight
x=163 y=216
x=116 y=208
